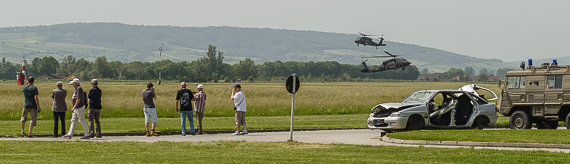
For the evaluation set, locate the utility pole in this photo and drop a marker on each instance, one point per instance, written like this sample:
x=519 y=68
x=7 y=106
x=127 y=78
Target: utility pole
x=160 y=65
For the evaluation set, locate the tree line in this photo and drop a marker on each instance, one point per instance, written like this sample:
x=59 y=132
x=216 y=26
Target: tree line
x=467 y=74
x=209 y=68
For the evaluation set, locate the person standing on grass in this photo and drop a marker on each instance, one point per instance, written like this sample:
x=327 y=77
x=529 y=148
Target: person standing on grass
x=240 y=107
x=199 y=105
x=31 y=105
x=184 y=97
x=149 y=109
x=58 y=108
x=78 y=110
x=94 y=101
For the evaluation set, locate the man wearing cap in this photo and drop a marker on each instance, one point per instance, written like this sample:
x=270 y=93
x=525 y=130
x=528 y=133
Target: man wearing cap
x=94 y=101
x=58 y=108
x=31 y=105
x=77 y=110
x=199 y=105
x=240 y=108
x=184 y=97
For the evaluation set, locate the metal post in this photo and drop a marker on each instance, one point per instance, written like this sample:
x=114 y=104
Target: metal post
x=160 y=66
x=293 y=105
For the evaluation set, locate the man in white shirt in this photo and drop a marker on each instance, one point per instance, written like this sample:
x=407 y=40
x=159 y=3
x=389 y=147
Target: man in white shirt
x=240 y=108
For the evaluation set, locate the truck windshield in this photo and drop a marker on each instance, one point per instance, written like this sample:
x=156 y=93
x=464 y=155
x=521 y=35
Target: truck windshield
x=517 y=82
x=419 y=97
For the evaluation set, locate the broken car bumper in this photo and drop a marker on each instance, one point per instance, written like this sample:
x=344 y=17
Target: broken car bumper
x=387 y=122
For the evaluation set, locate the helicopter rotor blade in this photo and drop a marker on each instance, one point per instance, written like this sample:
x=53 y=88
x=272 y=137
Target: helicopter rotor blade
x=377 y=57
x=390 y=54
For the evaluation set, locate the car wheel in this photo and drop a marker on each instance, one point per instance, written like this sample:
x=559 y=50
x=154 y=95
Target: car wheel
x=520 y=120
x=547 y=125
x=567 y=121
x=415 y=122
x=481 y=122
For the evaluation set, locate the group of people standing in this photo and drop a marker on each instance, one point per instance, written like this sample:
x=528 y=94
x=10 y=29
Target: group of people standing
x=92 y=101
x=183 y=105
x=80 y=101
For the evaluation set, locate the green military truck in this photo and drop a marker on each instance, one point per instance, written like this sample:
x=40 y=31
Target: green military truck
x=539 y=95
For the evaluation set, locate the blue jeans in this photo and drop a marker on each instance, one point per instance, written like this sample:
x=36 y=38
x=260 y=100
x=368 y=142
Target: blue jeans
x=190 y=115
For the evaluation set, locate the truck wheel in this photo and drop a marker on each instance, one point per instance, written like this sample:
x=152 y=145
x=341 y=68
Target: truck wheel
x=481 y=122
x=547 y=125
x=520 y=120
x=567 y=121
x=415 y=122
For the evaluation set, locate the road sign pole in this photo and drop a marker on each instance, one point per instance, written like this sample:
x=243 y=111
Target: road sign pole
x=293 y=106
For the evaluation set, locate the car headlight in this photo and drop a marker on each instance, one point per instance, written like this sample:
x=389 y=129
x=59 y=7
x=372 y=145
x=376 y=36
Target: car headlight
x=396 y=114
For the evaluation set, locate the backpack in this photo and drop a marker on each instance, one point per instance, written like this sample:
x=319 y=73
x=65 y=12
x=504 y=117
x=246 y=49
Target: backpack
x=85 y=99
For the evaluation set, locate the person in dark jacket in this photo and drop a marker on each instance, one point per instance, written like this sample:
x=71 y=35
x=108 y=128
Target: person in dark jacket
x=58 y=108
x=94 y=101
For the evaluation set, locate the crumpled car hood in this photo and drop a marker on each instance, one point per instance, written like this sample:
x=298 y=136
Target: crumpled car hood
x=384 y=110
x=398 y=106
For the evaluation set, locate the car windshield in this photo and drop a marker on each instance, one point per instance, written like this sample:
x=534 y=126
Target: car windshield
x=419 y=97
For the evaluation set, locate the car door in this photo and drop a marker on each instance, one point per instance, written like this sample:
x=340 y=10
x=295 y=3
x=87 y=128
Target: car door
x=535 y=94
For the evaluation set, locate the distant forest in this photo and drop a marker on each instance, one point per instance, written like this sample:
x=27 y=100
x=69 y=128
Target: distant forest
x=209 y=68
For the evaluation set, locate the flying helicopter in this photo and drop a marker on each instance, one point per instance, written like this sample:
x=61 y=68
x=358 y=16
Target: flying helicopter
x=394 y=63
x=365 y=40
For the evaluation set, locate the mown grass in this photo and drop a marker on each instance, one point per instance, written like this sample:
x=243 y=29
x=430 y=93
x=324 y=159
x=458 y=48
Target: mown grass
x=123 y=99
x=254 y=152
x=551 y=136
x=172 y=125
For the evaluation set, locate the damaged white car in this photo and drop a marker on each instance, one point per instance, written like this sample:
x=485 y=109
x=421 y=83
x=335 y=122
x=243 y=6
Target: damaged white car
x=463 y=108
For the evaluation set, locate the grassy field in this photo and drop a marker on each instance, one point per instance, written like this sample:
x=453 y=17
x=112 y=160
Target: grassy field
x=123 y=99
x=172 y=125
x=520 y=136
x=254 y=152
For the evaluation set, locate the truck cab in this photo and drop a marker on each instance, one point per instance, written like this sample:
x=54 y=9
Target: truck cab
x=536 y=95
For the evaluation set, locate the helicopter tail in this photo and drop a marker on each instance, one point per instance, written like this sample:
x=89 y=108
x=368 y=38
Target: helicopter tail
x=381 y=40
x=365 y=69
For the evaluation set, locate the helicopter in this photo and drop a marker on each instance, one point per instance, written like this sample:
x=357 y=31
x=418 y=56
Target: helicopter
x=394 y=63
x=365 y=40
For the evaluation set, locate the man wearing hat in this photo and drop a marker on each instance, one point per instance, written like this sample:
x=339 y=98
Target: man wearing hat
x=199 y=105
x=240 y=108
x=77 y=110
x=58 y=108
x=94 y=101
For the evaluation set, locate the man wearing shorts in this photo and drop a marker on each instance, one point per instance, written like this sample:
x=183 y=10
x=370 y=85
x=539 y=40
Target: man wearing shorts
x=31 y=105
x=149 y=109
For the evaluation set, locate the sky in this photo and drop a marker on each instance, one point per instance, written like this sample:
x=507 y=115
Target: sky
x=509 y=30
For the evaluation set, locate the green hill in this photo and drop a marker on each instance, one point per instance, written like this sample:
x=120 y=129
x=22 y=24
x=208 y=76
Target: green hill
x=128 y=43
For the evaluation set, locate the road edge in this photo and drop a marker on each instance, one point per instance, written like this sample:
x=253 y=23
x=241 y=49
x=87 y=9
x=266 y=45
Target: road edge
x=178 y=132
x=475 y=144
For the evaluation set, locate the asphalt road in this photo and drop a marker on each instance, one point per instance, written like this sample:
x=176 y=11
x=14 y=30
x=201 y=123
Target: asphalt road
x=354 y=137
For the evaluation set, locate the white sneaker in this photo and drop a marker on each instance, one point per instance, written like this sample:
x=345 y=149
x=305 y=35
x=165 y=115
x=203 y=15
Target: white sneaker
x=244 y=132
x=236 y=133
